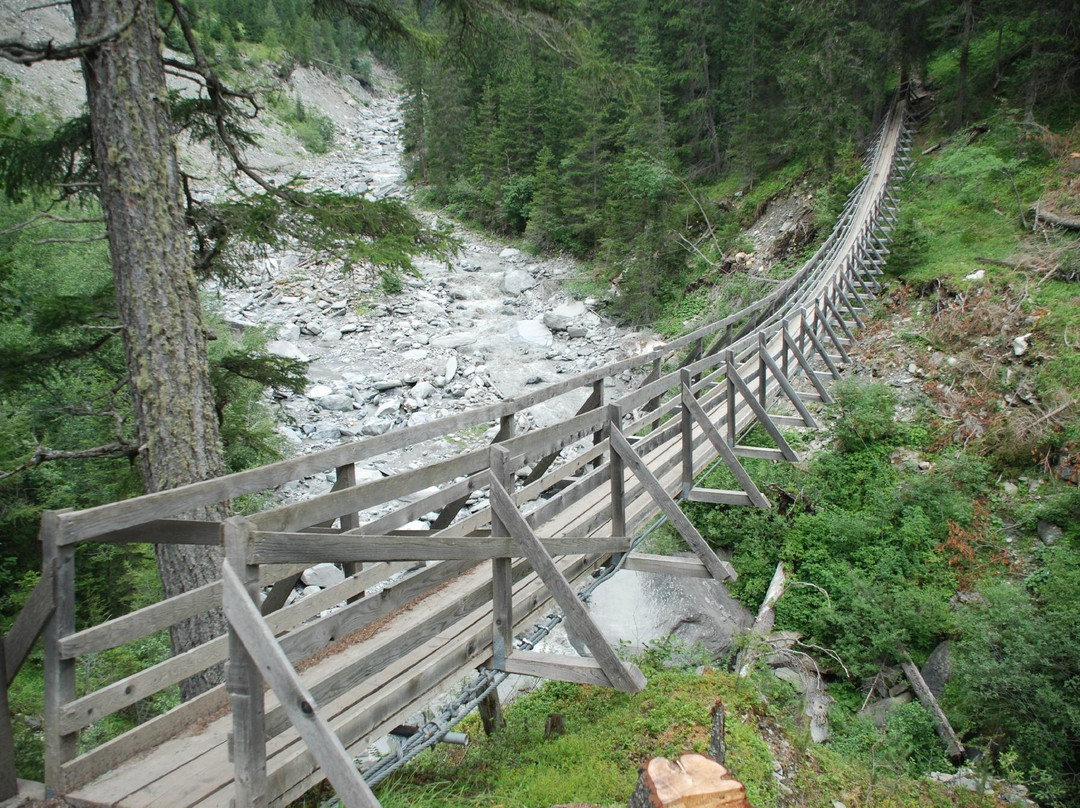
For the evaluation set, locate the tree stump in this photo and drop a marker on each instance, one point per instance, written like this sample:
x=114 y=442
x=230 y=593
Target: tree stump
x=554 y=726
x=491 y=714
x=693 y=781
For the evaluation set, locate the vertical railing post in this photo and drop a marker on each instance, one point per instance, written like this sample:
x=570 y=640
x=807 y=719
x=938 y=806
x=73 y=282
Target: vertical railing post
x=59 y=672
x=729 y=360
x=686 y=427
x=618 y=473
x=654 y=403
x=346 y=478
x=502 y=581
x=597 y=401
x=9 y=783
x=247 y=744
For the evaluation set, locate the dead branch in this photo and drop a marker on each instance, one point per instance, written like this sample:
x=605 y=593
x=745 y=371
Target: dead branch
x=43 y=454
x=83 y=240
x=1056 y=220
x=26 y=53
x=922 y=690
x=37 y=219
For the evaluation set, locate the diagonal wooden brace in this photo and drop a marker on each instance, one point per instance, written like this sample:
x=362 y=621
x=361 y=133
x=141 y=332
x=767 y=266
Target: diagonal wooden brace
x=726 y=452
x=785 y=384
x=622 y=676
x=763 y=417
x=808 y=369
x=336 y=763
x=720 y=570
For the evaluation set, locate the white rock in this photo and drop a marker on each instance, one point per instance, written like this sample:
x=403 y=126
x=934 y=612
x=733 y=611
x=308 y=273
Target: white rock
x=509 y=252
x=1020 y=345
x=516 y=281
x=317 y=391
x=423 y=390
x=562 y=317
x=338 y=402
x=456 y=340
x=322 y=575
x=451 y=369
x=289 y=333
x=532 y=332
x=977 y=275
x=286 y=350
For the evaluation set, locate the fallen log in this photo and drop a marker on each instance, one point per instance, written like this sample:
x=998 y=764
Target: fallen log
x=941 y=721
x=763 y=623
x=1056 y=220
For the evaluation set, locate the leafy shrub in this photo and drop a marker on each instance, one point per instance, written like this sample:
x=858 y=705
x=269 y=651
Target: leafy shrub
x=867 y=414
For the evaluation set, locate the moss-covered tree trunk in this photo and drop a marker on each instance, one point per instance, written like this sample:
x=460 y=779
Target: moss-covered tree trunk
x=156 y=292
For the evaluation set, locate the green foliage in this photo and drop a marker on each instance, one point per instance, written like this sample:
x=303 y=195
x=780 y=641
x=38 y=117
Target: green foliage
x=867 y=414
x=311 y=127
x=1017 y=675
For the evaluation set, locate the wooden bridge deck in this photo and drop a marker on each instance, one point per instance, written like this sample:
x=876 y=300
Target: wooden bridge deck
x=363 y=669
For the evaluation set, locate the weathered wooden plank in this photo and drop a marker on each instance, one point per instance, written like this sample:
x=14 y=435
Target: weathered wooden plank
x=142 y=622
x=9 y=782
x=560 y=667
x=160 y=729
x=301 y=547
x=29 y=623
x=502 y=574
x=760 y=452
x=666 y=565
x=365 y=495
x=720 y=570
x=61 y=745
x=309 y=639
x=243 y=680
x=320 y=739
x=161 y=531
x=80 y=713
x=535 y=445
x=621 y=675
x=719 y=496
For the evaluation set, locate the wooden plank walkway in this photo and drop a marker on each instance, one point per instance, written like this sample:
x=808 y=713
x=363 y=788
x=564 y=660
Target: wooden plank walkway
x=364 y=668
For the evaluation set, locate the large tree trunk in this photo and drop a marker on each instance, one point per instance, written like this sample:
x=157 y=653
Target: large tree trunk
x=156 y=292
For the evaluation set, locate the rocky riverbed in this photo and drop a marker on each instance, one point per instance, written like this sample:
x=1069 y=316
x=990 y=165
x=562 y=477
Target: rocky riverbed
x=489 y=325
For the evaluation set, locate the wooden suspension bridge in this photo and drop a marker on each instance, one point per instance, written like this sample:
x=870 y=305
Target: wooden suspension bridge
x=340 y=679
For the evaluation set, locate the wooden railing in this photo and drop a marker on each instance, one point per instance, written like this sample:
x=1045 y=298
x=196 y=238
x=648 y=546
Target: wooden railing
x=699 y=394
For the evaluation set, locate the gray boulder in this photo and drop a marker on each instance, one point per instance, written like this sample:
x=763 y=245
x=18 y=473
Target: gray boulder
x=516 y=281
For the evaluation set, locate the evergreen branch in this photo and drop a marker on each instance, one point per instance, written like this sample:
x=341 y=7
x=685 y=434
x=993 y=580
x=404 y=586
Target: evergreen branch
x=27 y=53
x=43 y=454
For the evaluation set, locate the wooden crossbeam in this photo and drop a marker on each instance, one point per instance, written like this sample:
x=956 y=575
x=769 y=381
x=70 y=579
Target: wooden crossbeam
x=304 y=548
x=666 y=565
x=621 y=675
x=720 y=570
x=263 y=648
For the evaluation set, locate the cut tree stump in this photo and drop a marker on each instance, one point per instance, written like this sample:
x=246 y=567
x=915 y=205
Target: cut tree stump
x=693 y=781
